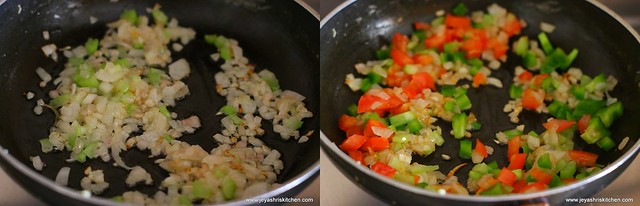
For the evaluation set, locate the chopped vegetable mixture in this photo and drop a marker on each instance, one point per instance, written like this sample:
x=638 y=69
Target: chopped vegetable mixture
x=423 y=77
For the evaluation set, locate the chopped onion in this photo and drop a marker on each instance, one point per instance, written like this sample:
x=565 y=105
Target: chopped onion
x=179 y=69
x=495 y=82
x=93 y=19
x=111 y=72
x=379 y=93
x=37 y=163
x=215 y=56
x=476 y=157
x=546 y=27
x=382 y=132
x=362 y=68
x=177 y=47
x=353 y=83
x=489 y=149
x=63 y=176
x=45 y=35
x=533 y=142
x=375 y=105
x=623 y=143
x=37 y=110
x=30 y=95
x=303 y=139
x=49 y=49
x=44 y=75
x=495 y=64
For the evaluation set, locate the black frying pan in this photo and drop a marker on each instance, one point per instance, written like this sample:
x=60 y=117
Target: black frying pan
x=354 y=31
x=279 y=35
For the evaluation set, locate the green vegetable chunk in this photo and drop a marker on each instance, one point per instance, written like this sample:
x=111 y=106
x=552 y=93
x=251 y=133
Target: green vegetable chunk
x=92 y=45
x=228 y=188
x=130 y=15
x=159 y=17
x=459 y=124
x=595 y=131
x=460 y=10
x=465 y=149
x=545 y=43
x=544 y=161
x=402 y=118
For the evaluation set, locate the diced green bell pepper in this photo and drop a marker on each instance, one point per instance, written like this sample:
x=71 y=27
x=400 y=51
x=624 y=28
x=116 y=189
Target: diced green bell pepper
x=595 y=131
x=352 y=110
x=414 y=126
x=544 y=161
x=606 y=143
x=515 y=91
x=402 y=118
x=460 y=10
x=130 y=15
x=496 y=189
x=383 y=54
x=159 y=17
x=610 y=113
x=522 y=46
x=465 y=149
x=463 y=102
x=545 y=43
x=529 y=60
x=596 y=82
x=459 y=124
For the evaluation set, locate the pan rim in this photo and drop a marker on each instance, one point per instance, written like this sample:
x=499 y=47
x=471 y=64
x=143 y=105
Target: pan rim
x=294 y=182
x=631 y=152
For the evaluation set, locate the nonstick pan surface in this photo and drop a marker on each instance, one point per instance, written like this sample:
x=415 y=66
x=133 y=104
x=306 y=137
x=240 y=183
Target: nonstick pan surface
x=352 y=33
x=281 y=36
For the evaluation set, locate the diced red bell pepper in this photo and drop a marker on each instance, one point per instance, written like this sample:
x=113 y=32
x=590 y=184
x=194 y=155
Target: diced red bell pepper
x=537 y=80
x=519 y=185
x=399 y=42
x=419 y=81
x=479 y=79
x=499 y=48
x=525 y=76
x=368 y=128
x=346 y=122
x=353 y=142
x=517 y=161
x=513 y=146
x=583 y=123
x=372 y=103
x=421 y=25
x=507 y=176
x=436 y=41
x=402 y=108
x=457 y=21
x=396 y=78
x=354 y=130
x=356 y=155
x=481 y=149
x=512 y=27
x=376 y=144
x=533 y=187
x=383 y=169
x=400 y=57
x=532 y=99
x=583 y=158
x=423 y=59
x=540 y=175
x=473 y=47
x=559 y=124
